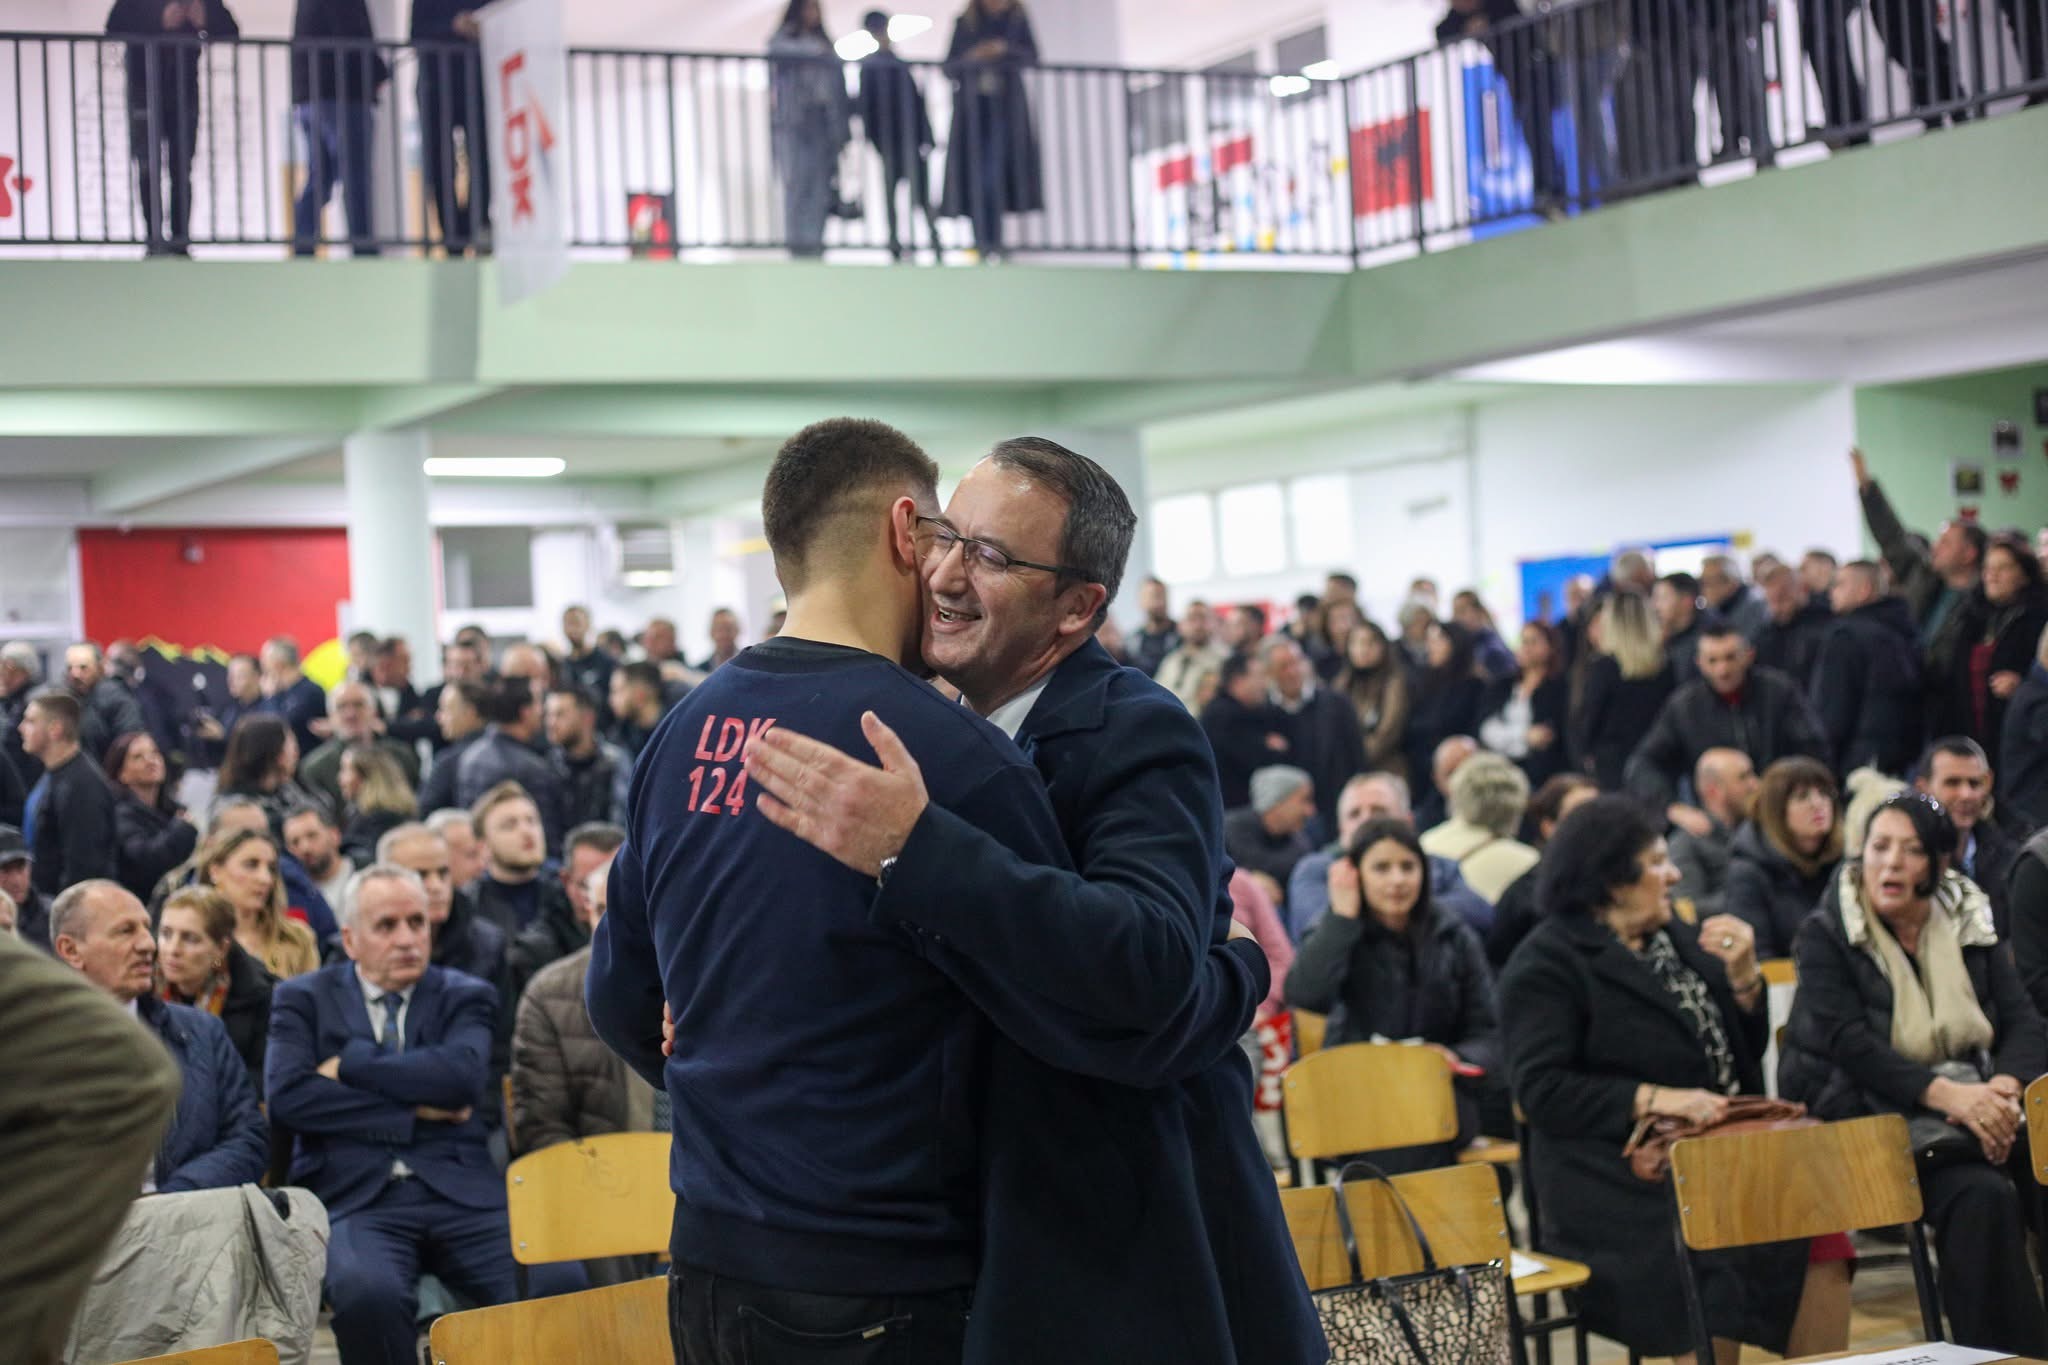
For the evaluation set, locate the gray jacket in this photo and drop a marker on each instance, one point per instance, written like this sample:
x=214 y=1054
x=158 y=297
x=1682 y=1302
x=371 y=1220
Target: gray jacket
x=204 y=1268
x=1703 y=866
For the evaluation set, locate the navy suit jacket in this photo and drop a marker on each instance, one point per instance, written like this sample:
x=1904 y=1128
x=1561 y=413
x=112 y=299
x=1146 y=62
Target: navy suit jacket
x=1128 y=1211
x=348 y=1132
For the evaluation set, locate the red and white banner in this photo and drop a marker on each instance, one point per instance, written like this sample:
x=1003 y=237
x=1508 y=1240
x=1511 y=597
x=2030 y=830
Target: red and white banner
x=526 y=64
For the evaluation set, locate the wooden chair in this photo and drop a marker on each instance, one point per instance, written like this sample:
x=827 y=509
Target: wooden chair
x=254 y=1351
x=624 y=1324
x=602 y=1196
x=1309 y=1028
x=2037 y=1128
x=1779 y=971
x=1370 y=1097
x=1795 y=1184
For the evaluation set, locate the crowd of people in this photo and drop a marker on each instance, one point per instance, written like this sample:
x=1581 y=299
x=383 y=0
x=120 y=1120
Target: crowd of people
x=366 y=939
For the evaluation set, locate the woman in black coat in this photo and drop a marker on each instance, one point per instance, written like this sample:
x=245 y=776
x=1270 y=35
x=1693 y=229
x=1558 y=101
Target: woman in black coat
x=992 y=153
x=1403 y=968
x=150 y=832
x=1908 y=1004
x=1999 y=639
x=1628 y=679
x=1445 y=698
x=200 y=964
x=1783 y=861
x=1524 y=717
x=1620 y=1013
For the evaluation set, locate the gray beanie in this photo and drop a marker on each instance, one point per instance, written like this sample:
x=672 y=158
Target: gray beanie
x=1271 y=786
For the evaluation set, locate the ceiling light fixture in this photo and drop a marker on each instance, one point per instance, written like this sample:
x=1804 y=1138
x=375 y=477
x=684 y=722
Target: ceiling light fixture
x=855 y=45
x=1325 y=70
x=495 y=467
x=903 y=27
x=1285 y=86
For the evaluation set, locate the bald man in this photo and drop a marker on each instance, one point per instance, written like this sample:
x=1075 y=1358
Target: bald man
x=1866 y=681
x=1725 y=781
x=354 y=718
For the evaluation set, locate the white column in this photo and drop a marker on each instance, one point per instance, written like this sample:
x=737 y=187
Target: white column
x=393 y=585
x=1121 y=452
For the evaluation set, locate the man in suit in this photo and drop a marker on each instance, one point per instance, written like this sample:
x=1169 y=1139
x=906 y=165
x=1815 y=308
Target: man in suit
x=1141 y=1203
x=378 y=1065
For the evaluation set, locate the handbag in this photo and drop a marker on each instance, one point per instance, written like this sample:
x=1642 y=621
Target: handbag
x=1649 y=1147
x=1450 y=1315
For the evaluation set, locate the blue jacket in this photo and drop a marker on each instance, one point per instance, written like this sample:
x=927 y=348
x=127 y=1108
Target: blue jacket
x=1128 y=1212
x=348 y=1132
x=217 y=1138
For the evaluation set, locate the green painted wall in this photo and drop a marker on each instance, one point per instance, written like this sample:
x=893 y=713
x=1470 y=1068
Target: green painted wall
x=1911 y=433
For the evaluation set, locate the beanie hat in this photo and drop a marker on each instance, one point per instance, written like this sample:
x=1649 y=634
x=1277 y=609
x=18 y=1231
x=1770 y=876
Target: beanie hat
x=1271 y=786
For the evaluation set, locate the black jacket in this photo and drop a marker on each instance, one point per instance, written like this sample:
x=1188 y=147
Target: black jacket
x=1837 y=1058
x=498 y=757
x=1765 y=889
x=2022 y=756
x=1990 y=866
x=554 y=934
x=1591 y=1023
x=467 y=942
x=437 y=792
x=1550 y=704
x=2027 y=895
x=75 y=837
x=361 y=831
x=32 y=919
x=246 y=1011
x=13 y=792
x=892 y=111
x=176 y=54
x=1515 y=916
x=1327 y=744
x=1867 y=688
x=104 y=715
x=11 y=707
x=592 y=787
x=1611 y=718
x=1249 y=845
x=1771 y=721
x=1436 y=712
x=1241 y=738
x=151 y=842
x=2013 y=633
x=1794 y=647
x=334 y=56
x=1431 y=983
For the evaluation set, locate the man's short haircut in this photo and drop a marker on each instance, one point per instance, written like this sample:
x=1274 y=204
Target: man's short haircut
x=494 y=798
x=284 y=647
x=61 y=707
x=876 y=22
x=389 y=841
x=1721 y=629
x=319 y=808
x=98 y=656
x=23 y=656
x=1277 y=643
x=476 y=694
x=352 y=892
x=1394 y=781
x=440 y=822
x=1777 y=571
x=602 y=835
x=1684 y=584
x=1866 y=570
x=1828 y=556
x=348 y=685
x=577 y=693
x=1234 y=667
x=1346 y=579
x=390 y=645
x=646 y=674
x=1974 y=532
x=827 y=483
x=1955 y=746
x=71 y=912
x=1256 y=612
x=363 y=637
x=506 y=700
x=1095 y=544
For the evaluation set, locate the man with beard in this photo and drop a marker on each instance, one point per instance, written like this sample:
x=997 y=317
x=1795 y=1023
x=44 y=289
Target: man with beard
x=512 y=893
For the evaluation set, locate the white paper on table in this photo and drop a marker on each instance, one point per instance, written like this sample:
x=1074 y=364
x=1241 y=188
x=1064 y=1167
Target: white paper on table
x=1931 y=1353
x=1521 y=1266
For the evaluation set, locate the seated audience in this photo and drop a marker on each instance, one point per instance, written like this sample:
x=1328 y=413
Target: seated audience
x=72 y=820
x=459 y=714
x=1908 y=1005
x=1781 y=863
x=1488 y=797
x=1956 y=772
x=638 y=703
x=1724 y=781
x=1866 y=684
x=1524 y=715
x=217 y=1136
x=1269 y=836
x=1491 y=656
x=1246 y=731
x=1376 y=684
x=353 y=715
x=242 y=865
x=1372 y=796
x=378 y=1065
x=17 y=881
x=2023 y=745
x=506 y=753
x=290 y=695
x=1730 y=705
x=150 y=830
x=263 y=753
x=1621 y=1012
x=512 y=889
x=463 y=940
x=312 y=834
x=1627 y=681
x=564 y=922
x=201 y=965
x=1404 y=970
x=377 y=798
x=1445 y=698
x=1519 y=908
x=1322 y=726
x=596 y=774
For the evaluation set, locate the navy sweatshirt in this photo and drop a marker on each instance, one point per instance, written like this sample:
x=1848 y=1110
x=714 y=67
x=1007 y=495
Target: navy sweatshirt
x=827 y=1075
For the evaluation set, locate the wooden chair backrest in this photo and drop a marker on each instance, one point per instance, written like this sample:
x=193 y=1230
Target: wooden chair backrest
x=1309 y=1028
x=1740 y=1189
x=602 y=1196
x=1368 y=1097
x=1458 y=1206
x=254 y=1351
x=1780 y=971
x=2036 y=1111
x=624 y=1324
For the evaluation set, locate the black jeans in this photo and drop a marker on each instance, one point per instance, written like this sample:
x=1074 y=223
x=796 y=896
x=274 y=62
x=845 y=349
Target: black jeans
x=1980 y=1216
x=451 y=98
x=717 y=1321
x=162 y=149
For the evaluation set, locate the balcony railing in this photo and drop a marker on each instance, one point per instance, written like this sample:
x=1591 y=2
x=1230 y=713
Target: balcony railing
x=696 y=156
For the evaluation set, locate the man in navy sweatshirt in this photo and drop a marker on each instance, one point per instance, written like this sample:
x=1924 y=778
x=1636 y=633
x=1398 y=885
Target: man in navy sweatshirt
x=1128 y=1211
x=829 y=1065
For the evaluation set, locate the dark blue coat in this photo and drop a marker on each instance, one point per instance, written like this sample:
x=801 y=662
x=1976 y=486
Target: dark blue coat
x=1128 y=1213
x=349 y=1131
x=217 y=1138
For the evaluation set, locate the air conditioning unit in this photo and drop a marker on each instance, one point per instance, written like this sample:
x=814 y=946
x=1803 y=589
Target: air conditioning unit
x=646 y=554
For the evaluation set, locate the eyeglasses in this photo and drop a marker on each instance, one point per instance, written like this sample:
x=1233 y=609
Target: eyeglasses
x=979 y=554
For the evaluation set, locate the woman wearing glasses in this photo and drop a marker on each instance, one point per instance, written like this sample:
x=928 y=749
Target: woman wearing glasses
x=1908 y=1004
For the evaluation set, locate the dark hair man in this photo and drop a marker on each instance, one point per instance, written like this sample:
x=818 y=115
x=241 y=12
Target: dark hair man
x=586 y=665
x=1866 y=683
x=595 y=773
x=505 y=753
x=563 y=925
x=1676 y=600
x=73 y=822
x=1032 y=546
x=725 y=639
x=1936 y=581
x=289 y=693
x=1157 y=636
x=893 y=115
x=636 y=700
x=1956 y=771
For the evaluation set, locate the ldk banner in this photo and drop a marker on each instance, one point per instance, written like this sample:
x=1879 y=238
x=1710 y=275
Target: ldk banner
x=525 y=68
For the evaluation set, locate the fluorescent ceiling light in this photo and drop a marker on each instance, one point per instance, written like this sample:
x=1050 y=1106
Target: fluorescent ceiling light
x=855 y=45
x=1325 y=70
x=495 y=467
x=905 y=26
x=647 y=578
x=1285 y=86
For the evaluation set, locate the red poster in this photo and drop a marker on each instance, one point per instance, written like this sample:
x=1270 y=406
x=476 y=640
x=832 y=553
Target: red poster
x=206 y=587
x=1383 y=166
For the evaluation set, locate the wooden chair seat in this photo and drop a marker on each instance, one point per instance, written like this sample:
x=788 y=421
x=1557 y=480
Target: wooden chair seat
x=1557 y=1276
x=254 y=1351
x=1486 y=1151
x=623 y=1324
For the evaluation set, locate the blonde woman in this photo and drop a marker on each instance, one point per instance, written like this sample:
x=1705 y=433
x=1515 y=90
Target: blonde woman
x=242 y=865
x=379 y=800
x=1625 y=688
x=200 y=964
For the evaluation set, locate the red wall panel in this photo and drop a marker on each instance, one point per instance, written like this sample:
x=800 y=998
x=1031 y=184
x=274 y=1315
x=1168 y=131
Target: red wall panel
x=229 y=589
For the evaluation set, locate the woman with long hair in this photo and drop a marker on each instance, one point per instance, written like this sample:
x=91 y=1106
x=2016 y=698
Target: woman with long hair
x=1525 y=715
x=1625 y=687
x=809 y=115
x=150 y=833
x=1338 y=621
x=241 y=864
x=1446 y=697
x=378 y=799
x=2007 y=614
x=1783 y=860
x=262 y=762
x=1376 y=682
x=200 y=964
